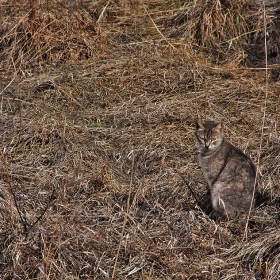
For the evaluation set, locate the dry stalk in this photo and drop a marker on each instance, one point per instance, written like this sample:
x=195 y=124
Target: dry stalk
x=10 y=191
x=159 y=32
x=103 y=11
x=8 y=84
x=125 y=216
x=70 y=186
x=262 y=125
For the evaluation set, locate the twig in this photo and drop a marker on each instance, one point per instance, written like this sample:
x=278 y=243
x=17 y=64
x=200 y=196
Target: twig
x=189 y=187
x=13 y=201
x=44 y=211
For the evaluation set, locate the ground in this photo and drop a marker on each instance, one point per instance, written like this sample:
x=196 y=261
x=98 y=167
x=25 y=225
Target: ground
x=99 y=175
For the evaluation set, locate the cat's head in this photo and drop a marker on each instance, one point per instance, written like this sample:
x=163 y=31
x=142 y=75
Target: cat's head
x=209 y=134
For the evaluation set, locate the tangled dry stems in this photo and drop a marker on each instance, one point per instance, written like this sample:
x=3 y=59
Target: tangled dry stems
x=74 y=134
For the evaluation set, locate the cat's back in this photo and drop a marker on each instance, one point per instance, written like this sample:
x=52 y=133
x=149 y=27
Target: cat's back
x=236 y=160
x=227 y=161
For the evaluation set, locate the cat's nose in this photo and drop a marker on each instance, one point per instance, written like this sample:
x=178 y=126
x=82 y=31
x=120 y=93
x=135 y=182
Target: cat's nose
x=207 y=144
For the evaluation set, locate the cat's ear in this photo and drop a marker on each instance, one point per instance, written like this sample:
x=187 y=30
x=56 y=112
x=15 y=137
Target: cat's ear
x=219 y=126
x=199 y=124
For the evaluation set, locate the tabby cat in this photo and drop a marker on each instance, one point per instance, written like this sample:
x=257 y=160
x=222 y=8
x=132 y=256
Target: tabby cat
x=230 y=174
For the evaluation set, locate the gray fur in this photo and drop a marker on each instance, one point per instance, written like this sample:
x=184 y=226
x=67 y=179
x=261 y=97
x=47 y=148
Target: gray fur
x=230 y=174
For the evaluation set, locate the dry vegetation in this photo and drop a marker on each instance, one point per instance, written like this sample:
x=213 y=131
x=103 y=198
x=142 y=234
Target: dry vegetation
x=98 y=155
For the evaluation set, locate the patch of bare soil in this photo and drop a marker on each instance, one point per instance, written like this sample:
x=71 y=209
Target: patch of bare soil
x=99 y=175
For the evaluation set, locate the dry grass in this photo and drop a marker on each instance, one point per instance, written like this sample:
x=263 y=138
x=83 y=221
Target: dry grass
x=229 y=32
x=98 y=107
x=38 y=31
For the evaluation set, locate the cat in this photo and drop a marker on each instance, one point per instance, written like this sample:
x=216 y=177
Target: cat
x=230 y=174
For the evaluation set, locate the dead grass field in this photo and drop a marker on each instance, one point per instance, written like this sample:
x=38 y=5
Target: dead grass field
x=98 y=155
